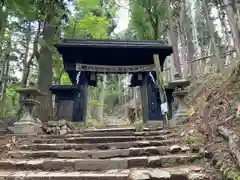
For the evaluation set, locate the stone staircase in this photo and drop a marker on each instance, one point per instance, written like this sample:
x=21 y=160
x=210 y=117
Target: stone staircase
x=104 y=154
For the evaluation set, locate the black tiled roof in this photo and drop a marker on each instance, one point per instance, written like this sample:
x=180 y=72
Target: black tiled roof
x=112 y=52
x=113 y=43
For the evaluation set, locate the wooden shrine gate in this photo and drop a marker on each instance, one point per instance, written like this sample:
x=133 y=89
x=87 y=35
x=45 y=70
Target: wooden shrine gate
x=83 y=59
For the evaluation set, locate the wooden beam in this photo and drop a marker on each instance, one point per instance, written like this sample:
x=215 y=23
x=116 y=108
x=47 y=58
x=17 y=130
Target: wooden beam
x=160 y=85
x=114 y=69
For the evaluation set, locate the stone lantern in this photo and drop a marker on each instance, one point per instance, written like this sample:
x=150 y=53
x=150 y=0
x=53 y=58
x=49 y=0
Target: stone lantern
x=27 y=124
x=181 y=114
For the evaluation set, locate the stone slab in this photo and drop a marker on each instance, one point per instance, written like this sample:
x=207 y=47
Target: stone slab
x=100 y=134
x=97 y=164
x=94 y=139
x=105 y=139
x=138 y=162
x=100 y=154
x=100 y=139
x=85 y=154
x=43 y=144
x=175 y=173
x=44 y=175
x=148 y=129
x=198 y=176
x=111 y=129
x=172 y=160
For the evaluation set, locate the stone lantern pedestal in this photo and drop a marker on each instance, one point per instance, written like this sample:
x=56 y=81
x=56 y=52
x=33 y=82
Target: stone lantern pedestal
x=181 y=114
x=26 y=124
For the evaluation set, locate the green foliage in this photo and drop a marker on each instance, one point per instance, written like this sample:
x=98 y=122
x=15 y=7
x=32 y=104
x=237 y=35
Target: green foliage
x=11 y=105
x=18 y=6
x=57 y=66
x=96 y=26
x=90 y=19
x=96 y=103
x=89 y=26
x=65 y=80
x=140 y=22
x=87 y=5
x=148 y=18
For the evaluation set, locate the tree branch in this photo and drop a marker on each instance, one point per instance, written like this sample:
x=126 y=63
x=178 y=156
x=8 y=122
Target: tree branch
x=209 y=56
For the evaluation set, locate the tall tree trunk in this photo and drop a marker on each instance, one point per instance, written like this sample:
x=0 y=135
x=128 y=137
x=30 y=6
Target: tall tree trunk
x=4 y=78
x=26 y=63
x=236 y=9
x=195 y=36
x=156 y=28
x=233 y=27
x=100 y=109
x=173 y=36
x=212 y=36
x=183 y=39
x=154 y=20
x=3 y=25
x=190 y=52
x=188 y=41
x=226 y=40
x=46 y=63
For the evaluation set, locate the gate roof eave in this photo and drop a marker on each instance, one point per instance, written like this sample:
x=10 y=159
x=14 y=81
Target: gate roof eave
x=112 y=52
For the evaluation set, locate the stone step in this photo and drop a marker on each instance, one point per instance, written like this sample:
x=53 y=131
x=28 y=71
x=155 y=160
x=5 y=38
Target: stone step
x=61 y=145
x=101 y=154
x=151 y=129
x=97 y=134
x=133 y=129
x=175 y=173
x=45 y=175
x=50 y=164
x=104 y=139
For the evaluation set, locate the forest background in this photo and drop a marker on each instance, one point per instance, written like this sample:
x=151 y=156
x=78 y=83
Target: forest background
x=204 y=34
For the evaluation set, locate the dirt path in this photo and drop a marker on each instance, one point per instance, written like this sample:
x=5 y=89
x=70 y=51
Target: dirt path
x=115 y=121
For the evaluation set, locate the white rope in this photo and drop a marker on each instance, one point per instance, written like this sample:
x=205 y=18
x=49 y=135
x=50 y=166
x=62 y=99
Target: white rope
x=150 y=73
x=78 y=77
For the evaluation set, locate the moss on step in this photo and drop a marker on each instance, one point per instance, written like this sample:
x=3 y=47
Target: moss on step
x=139 y=126
x=230 y=174
x=196 y=139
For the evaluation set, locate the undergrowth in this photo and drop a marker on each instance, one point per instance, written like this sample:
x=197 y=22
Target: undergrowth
x=214 y=99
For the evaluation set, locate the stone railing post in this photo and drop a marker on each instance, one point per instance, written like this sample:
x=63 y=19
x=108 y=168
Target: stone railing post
x=27 y=124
